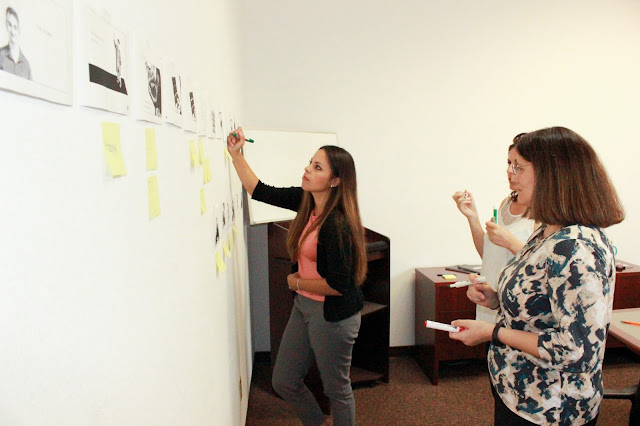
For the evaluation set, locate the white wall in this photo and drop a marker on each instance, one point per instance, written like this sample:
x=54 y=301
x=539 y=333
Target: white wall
x=427 y=96
x=107 y=317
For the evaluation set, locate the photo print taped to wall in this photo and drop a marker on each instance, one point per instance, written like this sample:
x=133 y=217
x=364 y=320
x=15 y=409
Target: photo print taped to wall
x=36 y=49
x=148 y=77
x=189 y=108
x=102 y=61
x=172 y=90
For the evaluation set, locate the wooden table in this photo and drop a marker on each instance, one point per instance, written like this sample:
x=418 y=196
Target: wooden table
x=627 y=334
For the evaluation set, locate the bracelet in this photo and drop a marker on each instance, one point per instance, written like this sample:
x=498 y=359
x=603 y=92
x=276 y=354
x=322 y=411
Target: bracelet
x=494 y=335
x=298 y=284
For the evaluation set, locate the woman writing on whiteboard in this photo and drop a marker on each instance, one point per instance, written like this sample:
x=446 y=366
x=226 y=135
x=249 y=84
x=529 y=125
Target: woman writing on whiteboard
x=555 y=296
x=326 y=242
x=503 y=238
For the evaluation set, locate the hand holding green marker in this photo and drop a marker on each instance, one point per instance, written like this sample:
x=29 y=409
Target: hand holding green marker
x=235 y=135
x=495 y=215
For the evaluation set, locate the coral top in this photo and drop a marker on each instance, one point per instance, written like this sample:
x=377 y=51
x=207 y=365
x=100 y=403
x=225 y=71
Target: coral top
x=308 y=259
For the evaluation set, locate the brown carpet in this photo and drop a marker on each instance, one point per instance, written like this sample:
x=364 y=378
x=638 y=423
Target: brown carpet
x=462 y=397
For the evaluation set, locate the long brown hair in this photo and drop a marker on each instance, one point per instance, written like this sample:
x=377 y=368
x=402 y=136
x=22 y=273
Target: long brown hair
x=571 y=184
x=343 y=198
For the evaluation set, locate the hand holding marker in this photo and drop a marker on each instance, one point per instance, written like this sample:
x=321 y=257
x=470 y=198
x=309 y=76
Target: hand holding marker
x=235 y=135
x=443 y=327
x=467 y=282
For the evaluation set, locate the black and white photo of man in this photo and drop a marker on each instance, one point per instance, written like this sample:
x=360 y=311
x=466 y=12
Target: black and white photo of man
x=154 y=88
x=12 y=57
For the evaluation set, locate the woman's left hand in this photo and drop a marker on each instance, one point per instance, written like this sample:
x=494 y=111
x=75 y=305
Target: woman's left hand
x=292 y=281
x=472 y=332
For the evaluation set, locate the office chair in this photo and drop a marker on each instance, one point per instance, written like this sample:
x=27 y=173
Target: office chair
x=632 y=393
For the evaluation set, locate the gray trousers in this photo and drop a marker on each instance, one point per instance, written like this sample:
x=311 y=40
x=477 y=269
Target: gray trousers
x=309 y=336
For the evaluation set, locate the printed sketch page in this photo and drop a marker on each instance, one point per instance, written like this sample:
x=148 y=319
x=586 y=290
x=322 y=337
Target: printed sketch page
x=147 y=97
x=202 y=107
x=102 y=61
x=36 y=48
x=211 y=120
x=189 y=107
x=172 y=107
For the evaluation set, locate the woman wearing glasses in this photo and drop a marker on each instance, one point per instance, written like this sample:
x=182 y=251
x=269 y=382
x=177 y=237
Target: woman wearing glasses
x=502 y=239
x=555 y=296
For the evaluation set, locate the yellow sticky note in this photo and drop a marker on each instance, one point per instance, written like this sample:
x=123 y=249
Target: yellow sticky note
x=233 y=227
x=154 y=196
x=230 y=243
x=152 y=154
x=226 y=151
x=220 y=262
x=192 y=153
x=448 y=276
x=225 y=247
x=200 y=151
x=206 y=171
x=203 y=202
x=112 y=148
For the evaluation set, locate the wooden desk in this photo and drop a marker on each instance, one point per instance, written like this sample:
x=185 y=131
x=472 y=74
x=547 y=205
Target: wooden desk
x=434 y=300
x=627 y=334
x=626 y=295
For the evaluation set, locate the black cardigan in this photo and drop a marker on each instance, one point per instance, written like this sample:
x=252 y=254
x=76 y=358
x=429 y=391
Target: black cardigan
x=334 y=252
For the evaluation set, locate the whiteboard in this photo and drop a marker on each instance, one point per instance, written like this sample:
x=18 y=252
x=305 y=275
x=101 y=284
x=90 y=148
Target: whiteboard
x=278 y=158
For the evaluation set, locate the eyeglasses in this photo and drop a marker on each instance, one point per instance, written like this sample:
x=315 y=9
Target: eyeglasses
x=515 y=168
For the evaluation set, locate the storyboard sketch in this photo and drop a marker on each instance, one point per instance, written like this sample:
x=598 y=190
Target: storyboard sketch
x=172 y=100
x=36 y=49
x=211 y=121
x=189 y=109
x=202 y=112
x=147 y=96
x=102 y=61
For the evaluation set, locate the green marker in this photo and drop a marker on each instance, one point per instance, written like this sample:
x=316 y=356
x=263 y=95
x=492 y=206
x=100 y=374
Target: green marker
x=235 y=135
x=495 y=214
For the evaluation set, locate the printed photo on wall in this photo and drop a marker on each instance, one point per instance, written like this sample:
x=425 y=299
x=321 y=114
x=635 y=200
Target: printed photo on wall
x=211 y=123
x=202 y=112
x=172 y=88
x=148 y=94
x=189 y=109
x=219 y=129
x=217 y=236
x=102 y=62
x=36 y=48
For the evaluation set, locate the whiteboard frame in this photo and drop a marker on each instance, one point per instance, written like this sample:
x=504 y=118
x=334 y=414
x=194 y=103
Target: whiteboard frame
x=267 y=159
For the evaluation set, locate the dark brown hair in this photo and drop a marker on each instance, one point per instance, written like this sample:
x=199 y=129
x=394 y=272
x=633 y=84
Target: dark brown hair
x=571 y=184
x=343 y=198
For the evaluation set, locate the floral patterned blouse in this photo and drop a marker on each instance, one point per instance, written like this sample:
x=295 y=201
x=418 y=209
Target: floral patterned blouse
x=560 y=287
